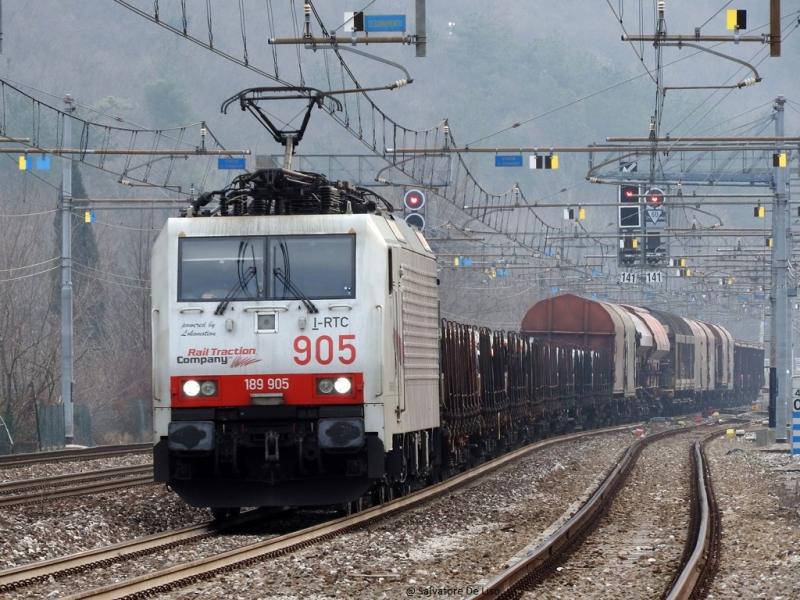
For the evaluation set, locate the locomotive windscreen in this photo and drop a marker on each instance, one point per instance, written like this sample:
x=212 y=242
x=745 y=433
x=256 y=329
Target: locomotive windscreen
x=273 y=268
x=320 y=266
x=216 y=268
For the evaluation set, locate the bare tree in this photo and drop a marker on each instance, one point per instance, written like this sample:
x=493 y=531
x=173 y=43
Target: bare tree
x=29 y=333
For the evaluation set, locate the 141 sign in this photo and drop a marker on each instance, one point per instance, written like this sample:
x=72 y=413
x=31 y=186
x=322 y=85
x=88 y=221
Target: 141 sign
x=648 y=277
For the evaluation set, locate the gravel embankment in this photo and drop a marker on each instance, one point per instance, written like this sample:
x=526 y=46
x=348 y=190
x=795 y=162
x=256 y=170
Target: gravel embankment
x=446 y=545
x=52 y=528
x=759 y=494
x=637 y=547
x=39 y=470
x=457 y=541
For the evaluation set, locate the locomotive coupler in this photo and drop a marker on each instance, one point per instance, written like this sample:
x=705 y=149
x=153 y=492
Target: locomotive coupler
x=301 y=467
x=271 y=453
x=226 y=452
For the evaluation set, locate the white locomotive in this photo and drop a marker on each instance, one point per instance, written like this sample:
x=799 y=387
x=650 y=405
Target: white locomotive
x=295 y=346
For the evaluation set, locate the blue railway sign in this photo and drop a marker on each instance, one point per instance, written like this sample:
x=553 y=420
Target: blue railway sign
x=795 y=431
x=384 y=23
x=508 y=161
x=230 y=163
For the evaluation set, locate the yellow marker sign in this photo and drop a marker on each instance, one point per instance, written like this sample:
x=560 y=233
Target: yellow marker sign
x=737 y=19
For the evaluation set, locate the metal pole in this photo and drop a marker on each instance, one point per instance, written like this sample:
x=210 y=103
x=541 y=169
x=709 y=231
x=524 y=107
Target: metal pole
x=112 y=152
x=287 y=156
x=781 y=323
x=645 y=148
x=774 y=27
x=66 y=275
x=36 y=414
x=422 y=36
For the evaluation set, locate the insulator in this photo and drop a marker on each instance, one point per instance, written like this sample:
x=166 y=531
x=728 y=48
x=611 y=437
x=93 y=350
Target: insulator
x=662 y=6
x=307 y=32
x=258 y=206
x=750 y=81
x=401 y=83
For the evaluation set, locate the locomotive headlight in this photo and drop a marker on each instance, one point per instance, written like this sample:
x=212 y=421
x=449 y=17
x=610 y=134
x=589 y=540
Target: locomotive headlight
x=208 y=388
x=343 y=385
x=339 y=385
x=191 y=388
x=325 y=386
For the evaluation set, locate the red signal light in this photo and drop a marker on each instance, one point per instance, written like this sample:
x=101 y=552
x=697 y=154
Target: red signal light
x=629 y=193
x=655 y=196
x=414 y=199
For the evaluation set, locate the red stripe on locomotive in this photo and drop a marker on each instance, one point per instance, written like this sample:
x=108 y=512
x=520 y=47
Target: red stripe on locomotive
x=245 y=390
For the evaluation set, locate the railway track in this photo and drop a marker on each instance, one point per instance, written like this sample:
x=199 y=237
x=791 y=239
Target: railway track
x=696 y=568
x=699 y=569
x=177 y=576
x=71 y=454
x=19 y=578
x=73 y=484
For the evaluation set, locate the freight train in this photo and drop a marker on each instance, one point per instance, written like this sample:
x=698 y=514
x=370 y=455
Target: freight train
x=299 y=357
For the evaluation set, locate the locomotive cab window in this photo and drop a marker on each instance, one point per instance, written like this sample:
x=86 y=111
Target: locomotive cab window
x=214 y=269
x=314 y=267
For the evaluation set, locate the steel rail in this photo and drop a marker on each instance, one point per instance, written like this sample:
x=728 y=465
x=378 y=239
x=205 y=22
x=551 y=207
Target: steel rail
x=16 y=460
x=540 y=561
x=703 y=562
x=178 y=576
x=66 y=566
x=90 y=483
x=9 y=487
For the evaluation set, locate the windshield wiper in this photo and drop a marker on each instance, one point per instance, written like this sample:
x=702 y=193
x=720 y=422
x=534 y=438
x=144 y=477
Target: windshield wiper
x=245 y=275
x=293 y=288
x=239 y=285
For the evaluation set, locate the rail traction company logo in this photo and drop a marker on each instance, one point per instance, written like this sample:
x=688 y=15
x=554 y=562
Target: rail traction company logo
x=235 y=357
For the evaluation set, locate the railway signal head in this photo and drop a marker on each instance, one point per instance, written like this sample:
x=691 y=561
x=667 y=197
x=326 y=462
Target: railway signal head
x=629 y=215
x=414 y=205
x=414 y=200
x=629 y=193
x=655 y=197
